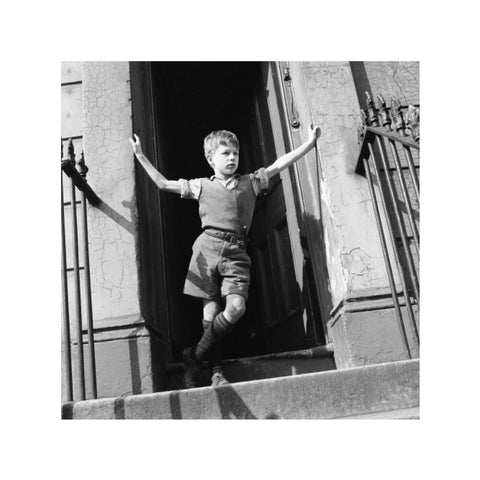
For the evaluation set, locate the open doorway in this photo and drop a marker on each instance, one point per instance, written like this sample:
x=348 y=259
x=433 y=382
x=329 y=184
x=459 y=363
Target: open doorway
x=187 y=101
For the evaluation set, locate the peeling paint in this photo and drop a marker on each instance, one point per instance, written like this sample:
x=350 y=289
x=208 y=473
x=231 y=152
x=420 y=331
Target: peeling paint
x=356 y=261
x=346 y=210
x=107 y=126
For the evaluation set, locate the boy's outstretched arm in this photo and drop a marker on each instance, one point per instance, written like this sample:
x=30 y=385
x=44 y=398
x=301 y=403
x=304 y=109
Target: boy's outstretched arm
x=162 y=183
x=290 y=158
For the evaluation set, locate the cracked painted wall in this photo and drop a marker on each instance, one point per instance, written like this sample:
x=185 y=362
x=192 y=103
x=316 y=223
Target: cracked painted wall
x=331 y=94
x=399 y=79
x=325 y=92
x=71 y=127
x=106 y=121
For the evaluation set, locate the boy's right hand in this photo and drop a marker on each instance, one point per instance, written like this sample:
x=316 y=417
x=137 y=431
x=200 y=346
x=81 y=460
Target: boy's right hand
x=136 y=145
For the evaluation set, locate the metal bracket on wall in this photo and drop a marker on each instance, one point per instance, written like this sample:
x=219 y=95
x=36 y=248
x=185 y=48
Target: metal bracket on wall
x=293 y=114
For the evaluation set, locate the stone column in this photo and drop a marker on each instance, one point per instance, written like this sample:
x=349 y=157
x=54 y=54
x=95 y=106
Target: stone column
x=361 y=333
x=122 y=342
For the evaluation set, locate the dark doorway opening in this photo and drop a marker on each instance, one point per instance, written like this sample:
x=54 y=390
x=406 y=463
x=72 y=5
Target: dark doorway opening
x=175 y=107
x=190 y=100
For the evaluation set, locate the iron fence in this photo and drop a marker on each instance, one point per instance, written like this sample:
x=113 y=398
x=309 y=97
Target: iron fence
x=390 y=160
x=76 y=172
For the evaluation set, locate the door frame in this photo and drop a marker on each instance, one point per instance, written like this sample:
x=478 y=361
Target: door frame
x=151 y=229
x=309 y=275
x=151 y=239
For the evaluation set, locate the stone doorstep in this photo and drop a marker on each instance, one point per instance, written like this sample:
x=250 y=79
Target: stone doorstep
x=324 y=351
x=282 y=364
x=345 y=393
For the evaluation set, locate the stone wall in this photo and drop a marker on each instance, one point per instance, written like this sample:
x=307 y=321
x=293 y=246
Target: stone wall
x=106 y=121
x=337 y=209
x=331 y=94
x=390 y=79
x=125 y=352
x=326 y=94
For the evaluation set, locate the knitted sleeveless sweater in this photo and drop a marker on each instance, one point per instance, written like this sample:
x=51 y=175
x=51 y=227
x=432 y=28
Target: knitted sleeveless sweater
x=228 y=210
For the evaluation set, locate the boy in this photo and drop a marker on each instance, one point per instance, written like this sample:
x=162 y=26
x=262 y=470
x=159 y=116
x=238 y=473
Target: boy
x=219 y=270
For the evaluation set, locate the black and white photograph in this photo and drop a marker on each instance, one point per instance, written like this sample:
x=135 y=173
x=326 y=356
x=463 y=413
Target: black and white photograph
x=240 y=240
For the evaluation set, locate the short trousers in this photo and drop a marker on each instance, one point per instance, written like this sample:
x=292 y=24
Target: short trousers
x=218 y=268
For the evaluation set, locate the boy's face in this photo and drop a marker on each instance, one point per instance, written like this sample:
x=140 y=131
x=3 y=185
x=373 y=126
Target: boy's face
x=224 y=160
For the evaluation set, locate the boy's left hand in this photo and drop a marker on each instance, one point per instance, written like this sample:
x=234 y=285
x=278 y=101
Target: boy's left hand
x=314 y=132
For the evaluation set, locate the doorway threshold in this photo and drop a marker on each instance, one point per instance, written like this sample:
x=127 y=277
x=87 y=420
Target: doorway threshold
x=280 y=364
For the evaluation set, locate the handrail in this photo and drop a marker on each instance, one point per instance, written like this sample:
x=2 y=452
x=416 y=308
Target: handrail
x=77 y=172
x=381 y=167
x=79 y=181
x=394 y=136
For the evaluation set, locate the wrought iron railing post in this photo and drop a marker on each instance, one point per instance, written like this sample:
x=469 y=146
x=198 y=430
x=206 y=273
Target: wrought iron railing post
x=386 y=257
x=398 y=218
x=399 y=125
x=385 y=116
x=83 y=169
x=67 y=358
x=373 y=138
x=77 y=173
x=406 y=197
x=371 y=117
x=76 y=272
x=394 y=246
x=413 y=122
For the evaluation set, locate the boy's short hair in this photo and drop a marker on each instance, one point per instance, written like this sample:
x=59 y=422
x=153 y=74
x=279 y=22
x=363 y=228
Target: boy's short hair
x=219 y=137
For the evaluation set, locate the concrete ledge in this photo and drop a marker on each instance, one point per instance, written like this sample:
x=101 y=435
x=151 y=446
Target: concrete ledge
x=401 y=414
x=102 y=409
x=282 y=364
x=372 y=337
x=123 y=367
x=332 y=394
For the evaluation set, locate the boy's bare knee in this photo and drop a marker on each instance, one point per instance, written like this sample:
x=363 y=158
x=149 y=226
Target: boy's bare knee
x=235 y=307
x=211 y=308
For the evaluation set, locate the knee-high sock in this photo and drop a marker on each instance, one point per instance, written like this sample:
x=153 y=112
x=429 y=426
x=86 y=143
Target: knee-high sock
x=215 y=355
x=218 y=329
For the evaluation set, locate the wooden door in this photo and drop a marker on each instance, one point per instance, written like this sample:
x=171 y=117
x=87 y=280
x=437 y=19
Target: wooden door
x=273 y=243
x=279 y=312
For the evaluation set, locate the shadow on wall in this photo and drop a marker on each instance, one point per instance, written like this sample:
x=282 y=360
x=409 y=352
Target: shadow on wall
x=134 y=365
x=128 y=225
x=361 y=82
x=390 y=78
x=316 y=282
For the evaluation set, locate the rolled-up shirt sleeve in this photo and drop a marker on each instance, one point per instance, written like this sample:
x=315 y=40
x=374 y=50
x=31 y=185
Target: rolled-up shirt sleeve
x=190 y=188
x=259 y=181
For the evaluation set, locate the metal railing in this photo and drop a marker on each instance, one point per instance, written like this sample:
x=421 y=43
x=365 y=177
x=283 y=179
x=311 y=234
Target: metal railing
x=77 y=171
x=389 y=159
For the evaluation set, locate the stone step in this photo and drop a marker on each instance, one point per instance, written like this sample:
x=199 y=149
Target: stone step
x=316 y=359
x=345 y=393
x=399 y=414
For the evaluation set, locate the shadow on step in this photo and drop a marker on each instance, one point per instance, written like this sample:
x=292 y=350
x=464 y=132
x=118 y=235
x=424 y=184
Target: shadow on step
x=230 y=404
x=297 y=362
